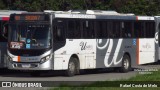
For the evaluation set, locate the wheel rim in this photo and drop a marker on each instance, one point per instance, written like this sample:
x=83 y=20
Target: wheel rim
x=72 y=67
x=126 y=64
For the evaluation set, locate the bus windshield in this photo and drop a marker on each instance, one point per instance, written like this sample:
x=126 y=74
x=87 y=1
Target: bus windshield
x=29 y=36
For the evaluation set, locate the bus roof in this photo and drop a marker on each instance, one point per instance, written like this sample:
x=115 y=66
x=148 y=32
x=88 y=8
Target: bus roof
x=5 y=14
x=89 y=14
x=110 y=15
x=93 y=12
x=8 y=12
x=157 y=16
x=98 y=14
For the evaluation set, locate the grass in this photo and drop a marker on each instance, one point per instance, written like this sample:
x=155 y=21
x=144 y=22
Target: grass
x=105 y=85
x=155 y=76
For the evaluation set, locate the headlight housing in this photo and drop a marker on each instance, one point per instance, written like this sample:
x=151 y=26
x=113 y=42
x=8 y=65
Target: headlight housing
x=44 y=59
x=9 y=58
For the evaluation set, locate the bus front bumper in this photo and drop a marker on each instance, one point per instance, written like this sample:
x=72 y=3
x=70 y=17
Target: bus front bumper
x=48 y=65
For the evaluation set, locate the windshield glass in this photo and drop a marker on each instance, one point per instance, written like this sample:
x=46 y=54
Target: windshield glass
x=29 y=36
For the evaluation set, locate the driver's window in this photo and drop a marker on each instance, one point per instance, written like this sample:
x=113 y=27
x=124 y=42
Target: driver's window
x=5 y=30
x=59 y=34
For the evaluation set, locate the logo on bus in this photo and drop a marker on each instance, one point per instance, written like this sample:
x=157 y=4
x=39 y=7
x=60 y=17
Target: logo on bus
x=84 y=46
x=146 y=46
x=108 y=44
x=156 y=38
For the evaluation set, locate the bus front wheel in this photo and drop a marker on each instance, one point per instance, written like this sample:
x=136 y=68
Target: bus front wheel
x=71 y=71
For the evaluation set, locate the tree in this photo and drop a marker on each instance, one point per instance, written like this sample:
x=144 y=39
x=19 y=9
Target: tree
x=138 y=7
x=2 y=5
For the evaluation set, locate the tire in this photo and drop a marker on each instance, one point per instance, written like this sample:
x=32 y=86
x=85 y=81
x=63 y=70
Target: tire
x=72 y=67
x=126 y=64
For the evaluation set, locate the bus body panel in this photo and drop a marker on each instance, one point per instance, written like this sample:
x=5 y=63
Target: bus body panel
x=83 y=48
x=3 y=52
x=107 y=53
x=157 y=36
x=110 y=52
x=3 y=40
x=146 y=49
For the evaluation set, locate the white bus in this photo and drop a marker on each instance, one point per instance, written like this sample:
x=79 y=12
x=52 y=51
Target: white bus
x=76 y=40
x=4 y=18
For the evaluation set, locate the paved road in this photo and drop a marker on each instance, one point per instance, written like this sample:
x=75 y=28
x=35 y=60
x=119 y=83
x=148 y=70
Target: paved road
x=52 y=76
x=102 y=75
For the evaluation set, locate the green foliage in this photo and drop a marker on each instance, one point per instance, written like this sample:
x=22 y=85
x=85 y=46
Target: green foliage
x=148 y=78
x=138 y=7
x=2 y=6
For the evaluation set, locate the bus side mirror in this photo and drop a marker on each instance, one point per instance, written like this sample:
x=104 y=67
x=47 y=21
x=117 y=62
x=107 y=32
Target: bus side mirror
x=4 y=31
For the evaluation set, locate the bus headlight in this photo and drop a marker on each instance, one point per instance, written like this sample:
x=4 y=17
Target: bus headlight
x=9 y=58
x=44 y=59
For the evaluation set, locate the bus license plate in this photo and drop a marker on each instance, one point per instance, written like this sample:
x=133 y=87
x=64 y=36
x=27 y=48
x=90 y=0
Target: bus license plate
x=26 y=65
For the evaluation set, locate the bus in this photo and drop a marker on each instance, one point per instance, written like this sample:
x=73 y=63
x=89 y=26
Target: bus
x=76 y=40
x=4 y=18
x=157 y=35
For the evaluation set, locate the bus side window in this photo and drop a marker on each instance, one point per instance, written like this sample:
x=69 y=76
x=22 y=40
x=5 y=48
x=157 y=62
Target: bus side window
x=127 y=27
x=88 y=30
x=5 y=30
x=149 y=29
x=139 y=31
x=59 y=33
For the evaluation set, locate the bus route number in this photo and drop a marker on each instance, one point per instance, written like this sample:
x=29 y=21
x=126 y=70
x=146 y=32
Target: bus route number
x=32 y=18
x=16 y=45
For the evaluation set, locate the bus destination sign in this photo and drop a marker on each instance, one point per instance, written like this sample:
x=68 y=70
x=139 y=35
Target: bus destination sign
x=31 y=18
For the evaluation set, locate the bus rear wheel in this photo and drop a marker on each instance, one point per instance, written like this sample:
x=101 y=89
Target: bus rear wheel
x=72 y=67
x=126 y=64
